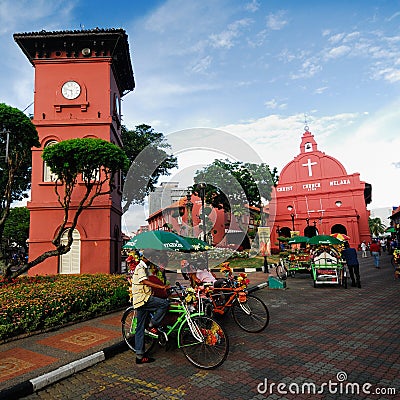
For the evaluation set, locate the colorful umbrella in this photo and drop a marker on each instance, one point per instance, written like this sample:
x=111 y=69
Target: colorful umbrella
x=324 y=239
x=298 y=239
x=341 y=236
x=158 y=240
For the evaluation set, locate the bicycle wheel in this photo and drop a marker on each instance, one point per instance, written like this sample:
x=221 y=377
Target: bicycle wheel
x=129 y=328
x=251 y=315
x=205 y=343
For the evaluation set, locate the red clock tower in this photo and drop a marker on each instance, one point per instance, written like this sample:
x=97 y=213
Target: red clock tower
x=80 y=78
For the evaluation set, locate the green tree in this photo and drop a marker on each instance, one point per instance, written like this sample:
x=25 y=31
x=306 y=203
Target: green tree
x=232 y=184
x=16 y=228
x=17 y=137
x=91 y=163
x=376 y=226
x=147 y=150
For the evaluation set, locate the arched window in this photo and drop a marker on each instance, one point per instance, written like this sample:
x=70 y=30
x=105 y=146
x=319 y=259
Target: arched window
x=48 y=176
x=70 y=263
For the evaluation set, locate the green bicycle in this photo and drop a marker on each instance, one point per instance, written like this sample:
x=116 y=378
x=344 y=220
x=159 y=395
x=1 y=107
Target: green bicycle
x=202 y=340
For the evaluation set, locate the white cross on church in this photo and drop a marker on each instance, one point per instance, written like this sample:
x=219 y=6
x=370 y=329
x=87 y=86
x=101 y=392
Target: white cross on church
x=309 y=164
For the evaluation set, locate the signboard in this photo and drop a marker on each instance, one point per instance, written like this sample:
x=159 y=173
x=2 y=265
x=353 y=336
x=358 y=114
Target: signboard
x=264 y=233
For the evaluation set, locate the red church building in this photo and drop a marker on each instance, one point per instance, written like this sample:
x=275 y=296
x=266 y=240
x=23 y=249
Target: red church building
x=316 y=195
x=80 y=78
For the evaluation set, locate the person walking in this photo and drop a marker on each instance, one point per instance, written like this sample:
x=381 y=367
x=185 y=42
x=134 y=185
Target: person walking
x=364 y=249
x=144 y=302
x=349 y=254
x=375 y=250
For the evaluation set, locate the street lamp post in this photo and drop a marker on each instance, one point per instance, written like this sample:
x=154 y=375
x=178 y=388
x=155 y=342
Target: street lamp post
x=278 y=231
x=202 y=192
x=189 y=206
x=290 y=208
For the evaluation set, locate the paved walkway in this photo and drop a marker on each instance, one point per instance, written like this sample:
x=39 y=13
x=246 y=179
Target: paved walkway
x=317 y=336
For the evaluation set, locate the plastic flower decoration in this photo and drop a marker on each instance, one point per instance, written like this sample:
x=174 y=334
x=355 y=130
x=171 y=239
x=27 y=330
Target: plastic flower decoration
x=132 y=261
x=243 y=280
x=226 y=269
x=190 y=296
x=212 y=335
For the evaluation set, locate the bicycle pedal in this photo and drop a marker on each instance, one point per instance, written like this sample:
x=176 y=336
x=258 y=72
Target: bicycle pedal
x=162 y=338
x=149 y=333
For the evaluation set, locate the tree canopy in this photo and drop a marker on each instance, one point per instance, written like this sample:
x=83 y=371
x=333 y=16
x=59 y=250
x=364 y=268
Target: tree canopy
x=147 y=150
x=93 y=162
x=376 y=226
x=16 y=228
x=17 y=137
x=234 y=184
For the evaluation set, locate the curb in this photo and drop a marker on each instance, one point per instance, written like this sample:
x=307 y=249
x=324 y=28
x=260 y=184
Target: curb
x=29 y=387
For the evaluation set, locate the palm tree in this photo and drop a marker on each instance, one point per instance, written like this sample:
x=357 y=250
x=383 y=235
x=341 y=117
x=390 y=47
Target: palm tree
x=375 y=226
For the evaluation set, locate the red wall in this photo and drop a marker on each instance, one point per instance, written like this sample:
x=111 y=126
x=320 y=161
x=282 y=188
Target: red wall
x=92 y=114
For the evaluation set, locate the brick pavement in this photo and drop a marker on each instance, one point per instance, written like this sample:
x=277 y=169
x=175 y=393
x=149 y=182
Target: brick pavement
x=316 y=335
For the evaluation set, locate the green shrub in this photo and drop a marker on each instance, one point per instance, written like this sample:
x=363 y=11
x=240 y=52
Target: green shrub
x=29 y=304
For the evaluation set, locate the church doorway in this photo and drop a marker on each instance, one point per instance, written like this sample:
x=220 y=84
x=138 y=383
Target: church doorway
x=339 y=228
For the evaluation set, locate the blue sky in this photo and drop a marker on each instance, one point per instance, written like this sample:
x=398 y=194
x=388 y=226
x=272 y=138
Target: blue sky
x=251 y=68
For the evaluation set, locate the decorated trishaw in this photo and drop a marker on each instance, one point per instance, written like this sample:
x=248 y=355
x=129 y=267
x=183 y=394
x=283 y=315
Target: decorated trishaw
x=396 y=263
x=327 y=266
x=298 y=258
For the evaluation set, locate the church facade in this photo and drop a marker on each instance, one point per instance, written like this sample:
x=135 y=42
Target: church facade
x=316 y=195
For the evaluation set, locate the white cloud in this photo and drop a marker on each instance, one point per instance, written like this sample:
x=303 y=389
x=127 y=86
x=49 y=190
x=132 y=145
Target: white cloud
x=321 y=90
x=253 y=6
x=336 y=38
x=308 y=69
x=389 y=74
x=226 y=39
x=276 y=21
x=395 y=15
x=273 y=105
x=337 y=52
x=201 y=66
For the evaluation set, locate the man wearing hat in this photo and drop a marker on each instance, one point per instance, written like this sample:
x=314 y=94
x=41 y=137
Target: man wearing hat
x=144 y=302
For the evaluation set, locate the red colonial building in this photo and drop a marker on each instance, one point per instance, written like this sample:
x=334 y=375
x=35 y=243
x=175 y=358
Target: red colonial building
x=316 y=195
x=80 y=77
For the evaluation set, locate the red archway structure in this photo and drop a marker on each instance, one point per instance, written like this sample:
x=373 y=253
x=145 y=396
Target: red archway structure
x=315 y=195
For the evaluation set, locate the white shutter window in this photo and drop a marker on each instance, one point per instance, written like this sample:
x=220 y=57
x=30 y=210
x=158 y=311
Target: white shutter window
x=70 y=263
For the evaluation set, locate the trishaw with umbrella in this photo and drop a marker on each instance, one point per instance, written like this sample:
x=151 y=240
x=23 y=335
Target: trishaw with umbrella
x=326 y=263
x=203 y=341
x=298 y=259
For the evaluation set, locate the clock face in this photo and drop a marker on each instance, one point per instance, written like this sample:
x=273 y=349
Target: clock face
x=71 y=90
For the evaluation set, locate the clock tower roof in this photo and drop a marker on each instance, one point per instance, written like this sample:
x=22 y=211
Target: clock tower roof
x=74 y=44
